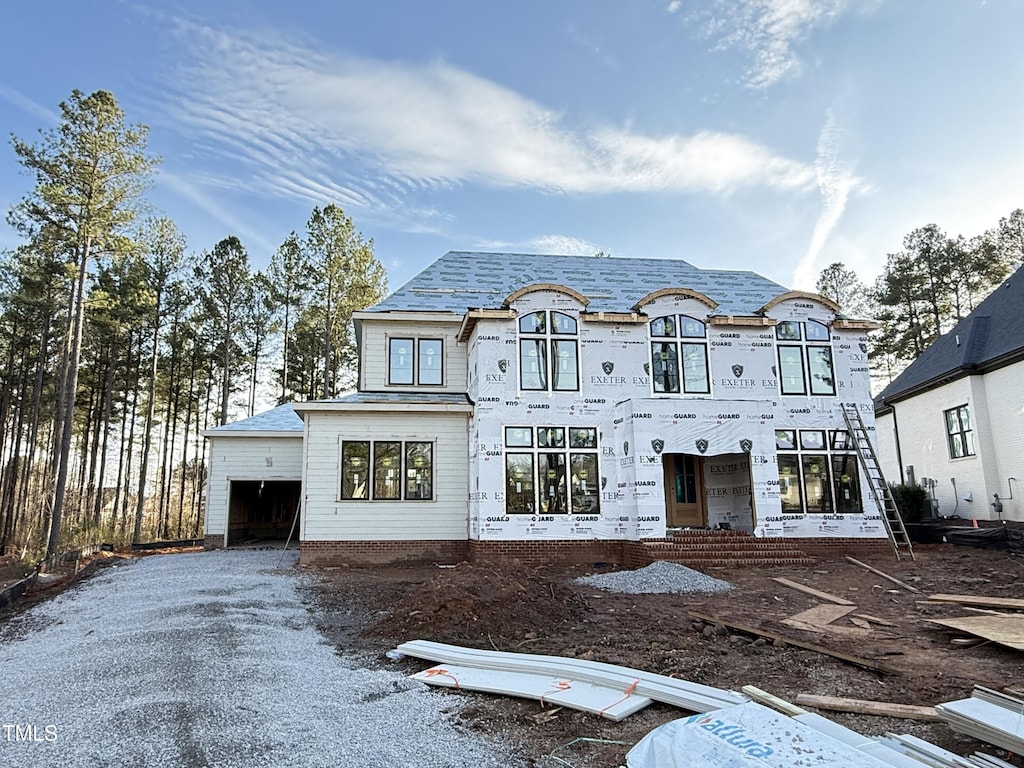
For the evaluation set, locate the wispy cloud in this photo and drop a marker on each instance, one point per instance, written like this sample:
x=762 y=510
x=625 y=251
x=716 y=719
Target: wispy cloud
x=769 y=30
x=565 y=245
x=313 y=125
x=24 y=103
x=835 y=180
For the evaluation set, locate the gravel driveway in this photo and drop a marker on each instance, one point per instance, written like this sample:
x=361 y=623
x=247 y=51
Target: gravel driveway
x=207 y=659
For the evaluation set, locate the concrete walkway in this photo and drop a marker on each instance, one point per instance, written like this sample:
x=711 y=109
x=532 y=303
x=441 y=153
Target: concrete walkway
x=206 y=659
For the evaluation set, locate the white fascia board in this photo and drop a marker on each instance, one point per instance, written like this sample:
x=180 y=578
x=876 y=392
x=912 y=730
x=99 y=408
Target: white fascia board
x=388 y=407
x=213 y=433
x=416 y=317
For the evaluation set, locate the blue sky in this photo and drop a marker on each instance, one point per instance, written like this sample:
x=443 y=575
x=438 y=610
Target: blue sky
x=773 y=135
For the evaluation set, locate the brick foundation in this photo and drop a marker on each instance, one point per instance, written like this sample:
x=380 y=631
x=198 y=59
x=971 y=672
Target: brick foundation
x=848 y=545
x=326 y=553
x=213 y=541
x=631 y=554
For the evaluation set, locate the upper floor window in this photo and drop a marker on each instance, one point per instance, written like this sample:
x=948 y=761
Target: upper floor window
x=805 y=358
x=415 y=361
x=548 y=352
x=959 y=433
x=679 y=355
x=552 y=471
x=387 y=470
x=817 y=472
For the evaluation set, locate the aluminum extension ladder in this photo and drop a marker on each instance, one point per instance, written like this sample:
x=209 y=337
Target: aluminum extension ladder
x=876 y=482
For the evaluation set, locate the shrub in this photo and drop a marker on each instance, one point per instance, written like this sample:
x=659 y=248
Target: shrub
x=911 y=501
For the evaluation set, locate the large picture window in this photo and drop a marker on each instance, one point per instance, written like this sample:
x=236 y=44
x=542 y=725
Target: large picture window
x=415 y=361
x=959 y=433
x=805 y=358
x=548 y=352
x=387 y=470
x=817 y=472
x=679 y=356
x=552 y=471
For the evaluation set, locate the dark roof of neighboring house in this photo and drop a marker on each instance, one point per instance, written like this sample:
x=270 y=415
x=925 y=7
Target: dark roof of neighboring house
x=462 y=280
x=991 y=336
x=280 y=419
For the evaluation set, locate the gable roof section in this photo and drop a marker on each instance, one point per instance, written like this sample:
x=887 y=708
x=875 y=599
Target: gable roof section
x=461 y=280
x=282 y=420
x=988 y=338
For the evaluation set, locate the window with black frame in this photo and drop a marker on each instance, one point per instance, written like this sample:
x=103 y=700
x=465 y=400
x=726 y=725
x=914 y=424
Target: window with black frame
x=818 y=472
x=387 y=470
x=679 y=356
x=805 y=358
x=548 y=352
x=551 y=471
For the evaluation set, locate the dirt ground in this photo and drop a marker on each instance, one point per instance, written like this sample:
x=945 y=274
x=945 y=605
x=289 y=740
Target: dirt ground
x=540 y=610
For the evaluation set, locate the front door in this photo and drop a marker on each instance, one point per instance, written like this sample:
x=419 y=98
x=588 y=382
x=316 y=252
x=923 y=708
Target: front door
x=684 y=491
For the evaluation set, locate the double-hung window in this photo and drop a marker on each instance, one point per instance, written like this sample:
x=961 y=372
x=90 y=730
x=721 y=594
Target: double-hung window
x=959 y=434
x=415 y=361
x=548 y=352
x=679 y=356
x=551 y=471
x=805 y=358
x=817 y=472
x=387 y=470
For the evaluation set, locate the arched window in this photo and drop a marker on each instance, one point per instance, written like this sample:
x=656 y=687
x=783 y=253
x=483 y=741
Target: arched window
x=679 y=356
x=805 y=358
x=548 y=352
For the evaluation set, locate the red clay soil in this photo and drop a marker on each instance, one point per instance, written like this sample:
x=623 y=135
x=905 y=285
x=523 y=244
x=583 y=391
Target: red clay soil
x=540 y=610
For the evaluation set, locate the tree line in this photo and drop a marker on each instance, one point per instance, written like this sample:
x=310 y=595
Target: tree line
x=119 y=346
x=924 y=289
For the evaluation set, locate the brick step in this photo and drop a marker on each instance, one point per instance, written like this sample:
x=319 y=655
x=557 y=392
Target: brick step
x=747 y=562
x=734 y=543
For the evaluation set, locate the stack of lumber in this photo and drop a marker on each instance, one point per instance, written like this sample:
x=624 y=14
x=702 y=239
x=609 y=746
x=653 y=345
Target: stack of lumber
x=988 y=715
x=607 y=690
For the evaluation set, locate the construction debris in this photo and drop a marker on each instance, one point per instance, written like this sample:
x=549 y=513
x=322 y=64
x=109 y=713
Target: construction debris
x=1005 y=629
x=884 y=575
x=855 y=660
x=863 y=707
x=566 y=676
x=988 y=715
x=812 y=591
x=979 y=601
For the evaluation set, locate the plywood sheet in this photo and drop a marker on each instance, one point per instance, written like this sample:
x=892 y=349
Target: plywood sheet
x=1006 y=630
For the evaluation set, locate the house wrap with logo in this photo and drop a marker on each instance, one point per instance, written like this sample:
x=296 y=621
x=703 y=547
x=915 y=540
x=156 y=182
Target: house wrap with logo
x=557 y=401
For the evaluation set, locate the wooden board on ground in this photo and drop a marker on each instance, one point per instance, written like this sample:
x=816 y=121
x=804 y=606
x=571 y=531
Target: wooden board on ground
x=819 y=619
x=812 y=591
x=861 y=706
x=876 y=620
x=980 y=601
x=1006 y=630
x=855 y=660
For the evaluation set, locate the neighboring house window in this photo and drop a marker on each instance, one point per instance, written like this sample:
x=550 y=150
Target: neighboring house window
x=551 y=471
x=679 y=356
x=548 y=352
x=805 y=358
x=815 y=476
x=415 y=361
x=959 y=432
x=387 y=470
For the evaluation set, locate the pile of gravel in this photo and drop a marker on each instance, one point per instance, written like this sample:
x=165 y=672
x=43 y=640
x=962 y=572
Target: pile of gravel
x=658 y=578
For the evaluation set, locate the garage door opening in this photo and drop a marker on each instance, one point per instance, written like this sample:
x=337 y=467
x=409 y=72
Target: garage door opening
x=261 y=510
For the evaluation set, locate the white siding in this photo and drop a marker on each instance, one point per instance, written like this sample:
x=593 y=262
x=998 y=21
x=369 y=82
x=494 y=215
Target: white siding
x=375 y=351
x=327 y=518
x=246 y=458
x=996 y=402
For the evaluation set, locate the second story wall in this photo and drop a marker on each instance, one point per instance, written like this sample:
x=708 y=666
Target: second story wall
x=418 y=352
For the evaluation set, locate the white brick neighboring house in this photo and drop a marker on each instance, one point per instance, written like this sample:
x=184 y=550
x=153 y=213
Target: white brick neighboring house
x=954 y=419
x=518 y=405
